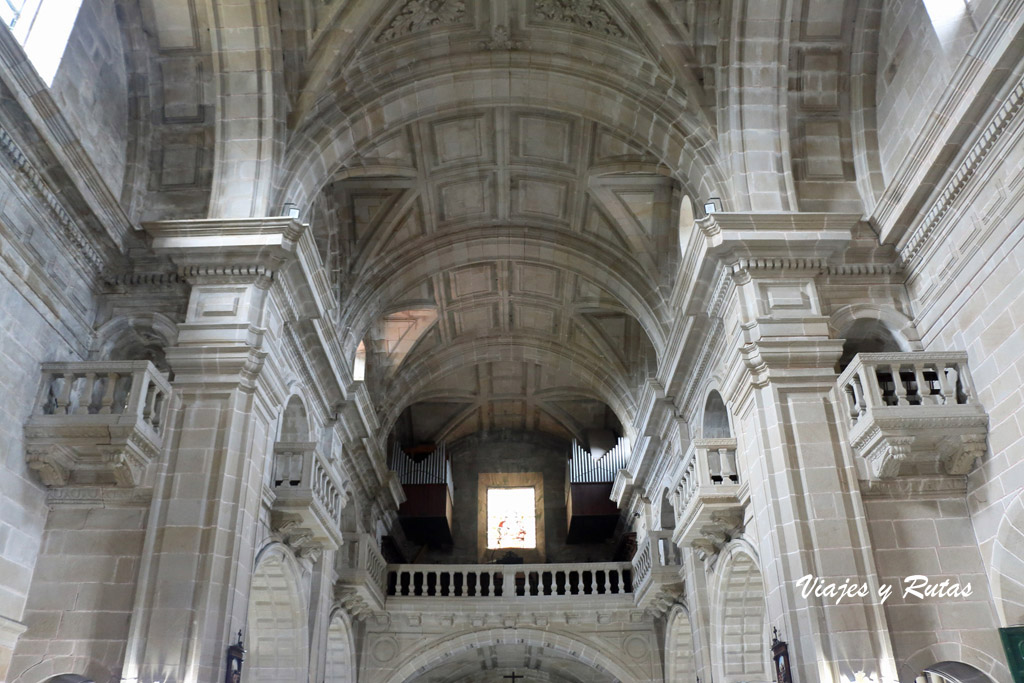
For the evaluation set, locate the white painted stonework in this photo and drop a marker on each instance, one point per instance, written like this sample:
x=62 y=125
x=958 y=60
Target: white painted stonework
x=251 y=248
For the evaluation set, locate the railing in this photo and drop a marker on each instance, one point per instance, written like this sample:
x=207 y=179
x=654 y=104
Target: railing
x=305 y=485
x=656 y=553
x=510 y=580
x=97 y=423
x=876 y=380
x=435 y=468
x=583 y=468
x=913 y=413
x=362 y=574
x=129 y=388
x=712 y=462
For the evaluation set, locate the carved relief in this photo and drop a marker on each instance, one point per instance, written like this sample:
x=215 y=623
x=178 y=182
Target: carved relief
x=585 y=14
x=421 y=14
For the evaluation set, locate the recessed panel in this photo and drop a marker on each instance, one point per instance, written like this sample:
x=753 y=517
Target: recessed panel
x=465 y=199
x=532 y=197
x=544 y=139
x=471 y=281
x=465 y=139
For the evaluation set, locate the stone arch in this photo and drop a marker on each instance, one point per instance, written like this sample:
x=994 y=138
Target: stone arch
x=59 y=670
x=295 y=426
x=676 y=136
x=139 y=336
x=739 y=628
x=954 y=672
x=1007 y=575
x=277 y=631
x=955 y=663
x=341 y=660
x=680 y=653
x=600 y=384
x=565 y=644
x=715 y=417
x=868 y=328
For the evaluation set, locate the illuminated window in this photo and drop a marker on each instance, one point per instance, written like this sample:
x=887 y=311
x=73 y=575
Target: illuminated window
x=511 y=518
x=43 y=28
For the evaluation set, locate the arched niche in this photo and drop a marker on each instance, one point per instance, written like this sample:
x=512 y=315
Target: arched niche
x=680 y=654
x=868 y=335
x=136 y=337
x=340 y=664
x=277 y=633
x=294 y=422
x=740 y=625
x=715 y=422
x=668 y=513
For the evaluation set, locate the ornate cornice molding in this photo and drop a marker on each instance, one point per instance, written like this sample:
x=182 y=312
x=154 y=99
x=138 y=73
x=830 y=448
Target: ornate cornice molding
x=99 y=496
x=85 y=250
x=968 y=168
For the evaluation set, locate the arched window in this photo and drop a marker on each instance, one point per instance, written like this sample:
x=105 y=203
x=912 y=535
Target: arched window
x=359 y=367
x=952 y=672
x=43 y=28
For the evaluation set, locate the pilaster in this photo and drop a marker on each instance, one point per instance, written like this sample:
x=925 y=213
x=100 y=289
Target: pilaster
x=193 y=586
x=805 y=516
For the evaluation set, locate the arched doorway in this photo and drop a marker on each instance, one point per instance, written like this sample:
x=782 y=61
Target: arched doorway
x=340 y=652
x=740 y=626
x=277 y=632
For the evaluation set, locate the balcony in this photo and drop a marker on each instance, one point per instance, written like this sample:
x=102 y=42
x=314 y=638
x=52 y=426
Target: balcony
x=97 y=423
x=657 y=576
x=913 y=413
x=494 y=582
x=362 y=576
x=708 y=498
x=308 y=500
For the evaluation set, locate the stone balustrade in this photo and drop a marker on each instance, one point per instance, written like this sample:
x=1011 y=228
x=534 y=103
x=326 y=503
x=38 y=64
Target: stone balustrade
x=707 y=496
x=657 y=568
x=97 y=423
x=913 y=413
x=362 y=576
x=308 y=495
x=509 y=581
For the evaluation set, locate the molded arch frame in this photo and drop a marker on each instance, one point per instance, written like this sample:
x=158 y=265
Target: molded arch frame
x=572 y=646
x=341 y=617
x=900 y=326
x=111 y=333
x=733 y=552
x=1007 y=569
x=958 y=662
x=296 y=397
x=680 y=612
x=277 y=552
x=59 y=670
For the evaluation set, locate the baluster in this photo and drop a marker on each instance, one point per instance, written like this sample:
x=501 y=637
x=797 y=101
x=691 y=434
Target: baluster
x=107 y=400
x=903 y=396
x=85 y=394
x=728 y=459
x=947 y=384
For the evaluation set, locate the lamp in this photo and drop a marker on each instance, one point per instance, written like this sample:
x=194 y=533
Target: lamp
x=236 y=655
x=780 y=658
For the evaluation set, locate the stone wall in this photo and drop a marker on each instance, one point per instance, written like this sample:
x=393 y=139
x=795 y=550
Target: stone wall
x=91 y=87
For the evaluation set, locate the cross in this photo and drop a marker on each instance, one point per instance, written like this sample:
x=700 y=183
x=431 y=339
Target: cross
x=513 y=677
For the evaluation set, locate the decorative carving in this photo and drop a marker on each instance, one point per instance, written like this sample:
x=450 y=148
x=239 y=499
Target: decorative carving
x=421 y=14
x=501 y=39
x=978 y=153
x=586 y=14
x=89 y=254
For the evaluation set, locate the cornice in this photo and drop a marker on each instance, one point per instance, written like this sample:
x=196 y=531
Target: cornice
x=979 y=152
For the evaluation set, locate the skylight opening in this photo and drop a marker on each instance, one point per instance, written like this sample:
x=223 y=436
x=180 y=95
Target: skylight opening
x=511 y=518
x=43 y=28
